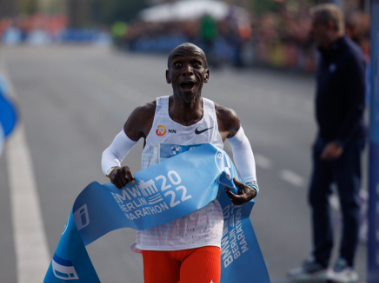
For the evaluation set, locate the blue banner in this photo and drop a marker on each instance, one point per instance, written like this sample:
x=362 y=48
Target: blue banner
x=162 y=193
x=8 y=113
x=373 y=241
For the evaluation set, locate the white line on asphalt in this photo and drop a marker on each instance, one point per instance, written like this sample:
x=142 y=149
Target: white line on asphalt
x=292 y=178
x=262 y=161
x=32 y=254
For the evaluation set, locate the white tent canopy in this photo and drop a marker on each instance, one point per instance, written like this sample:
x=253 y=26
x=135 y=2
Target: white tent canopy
x=190 y=9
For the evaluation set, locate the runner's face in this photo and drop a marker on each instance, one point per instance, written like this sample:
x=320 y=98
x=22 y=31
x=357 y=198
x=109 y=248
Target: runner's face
x=187 y=73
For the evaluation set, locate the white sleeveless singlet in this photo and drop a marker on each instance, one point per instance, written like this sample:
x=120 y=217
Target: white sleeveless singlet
x=203 y=227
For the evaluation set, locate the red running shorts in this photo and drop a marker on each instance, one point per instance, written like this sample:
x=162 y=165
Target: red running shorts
x=200 y=265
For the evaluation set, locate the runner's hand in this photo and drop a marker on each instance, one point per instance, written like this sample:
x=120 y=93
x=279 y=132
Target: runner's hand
x=121 y=177
x=245 y=193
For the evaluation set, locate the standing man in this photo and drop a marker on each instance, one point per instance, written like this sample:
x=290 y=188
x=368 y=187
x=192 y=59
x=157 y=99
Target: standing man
x=337 y=150
x=187 y=249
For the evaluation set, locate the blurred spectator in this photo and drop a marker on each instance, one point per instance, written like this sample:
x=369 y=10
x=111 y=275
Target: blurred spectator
x=119 y=30
x=282 y=38
x=337 y=150
x=223 y=35
x=358 y=29
x=208 y=35
x=233 y=36
x=41 y=29
x=278 y=38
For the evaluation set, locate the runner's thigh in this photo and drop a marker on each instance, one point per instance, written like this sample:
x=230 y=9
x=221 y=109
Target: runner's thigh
x=203 y=265
x=160 y=267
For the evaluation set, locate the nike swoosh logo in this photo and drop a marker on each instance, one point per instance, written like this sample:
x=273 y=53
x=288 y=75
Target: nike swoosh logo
x=197 y=132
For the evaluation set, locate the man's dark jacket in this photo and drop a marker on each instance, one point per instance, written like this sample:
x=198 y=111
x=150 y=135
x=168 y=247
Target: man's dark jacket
x=340 y=92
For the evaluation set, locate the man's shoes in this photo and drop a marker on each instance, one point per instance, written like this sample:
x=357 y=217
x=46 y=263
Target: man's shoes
x=309 y=271
x=343 y=273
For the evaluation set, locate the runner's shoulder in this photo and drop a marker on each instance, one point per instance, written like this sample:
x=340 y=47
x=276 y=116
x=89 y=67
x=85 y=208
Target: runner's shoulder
x=143 y=113
x=227 y=118
x=140 y=121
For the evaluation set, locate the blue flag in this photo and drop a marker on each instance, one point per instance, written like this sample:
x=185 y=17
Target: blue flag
x=8 y=113
x=162 y=193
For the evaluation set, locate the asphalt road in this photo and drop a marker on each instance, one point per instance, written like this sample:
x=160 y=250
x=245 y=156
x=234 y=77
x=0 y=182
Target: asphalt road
x=74 y=100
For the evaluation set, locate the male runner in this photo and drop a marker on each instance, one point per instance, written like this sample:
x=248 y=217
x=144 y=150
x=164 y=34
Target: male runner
x=187 y=249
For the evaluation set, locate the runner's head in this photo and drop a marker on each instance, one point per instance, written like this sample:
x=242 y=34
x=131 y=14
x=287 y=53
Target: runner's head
x=186 y=49
x=187 y=71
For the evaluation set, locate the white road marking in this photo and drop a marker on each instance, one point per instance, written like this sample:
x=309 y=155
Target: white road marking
x=32 y=254
x=262 y=161
x=292 y=178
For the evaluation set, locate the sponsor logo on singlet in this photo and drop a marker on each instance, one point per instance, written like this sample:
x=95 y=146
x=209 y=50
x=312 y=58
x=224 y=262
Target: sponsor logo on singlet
x=161 y=130
x=170 y=150
x=198 y=132
x=175 y=150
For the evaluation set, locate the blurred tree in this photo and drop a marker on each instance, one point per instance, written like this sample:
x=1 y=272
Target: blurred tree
x=28 y=7
x=56 y=6
x=110 y=11
x=155 y=2
x=52 y=6
x=263 y=6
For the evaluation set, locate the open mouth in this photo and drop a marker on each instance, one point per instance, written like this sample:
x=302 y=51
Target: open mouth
x=187 y=86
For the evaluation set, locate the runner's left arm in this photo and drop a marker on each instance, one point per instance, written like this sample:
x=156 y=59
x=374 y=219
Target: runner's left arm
x=244 y=160
x=230 y=128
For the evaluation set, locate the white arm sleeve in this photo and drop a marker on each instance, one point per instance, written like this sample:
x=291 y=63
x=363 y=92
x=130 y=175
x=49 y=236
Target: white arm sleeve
x=114 y=154
x=244 y=158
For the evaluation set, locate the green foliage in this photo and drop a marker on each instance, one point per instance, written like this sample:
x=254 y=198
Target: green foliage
x=262 y=6
x=27 y=7
x=110 y=11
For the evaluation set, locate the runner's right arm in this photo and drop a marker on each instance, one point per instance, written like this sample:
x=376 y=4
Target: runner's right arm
x=138 y=125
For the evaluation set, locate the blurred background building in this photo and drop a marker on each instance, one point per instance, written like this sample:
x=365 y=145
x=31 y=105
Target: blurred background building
x=236 y=32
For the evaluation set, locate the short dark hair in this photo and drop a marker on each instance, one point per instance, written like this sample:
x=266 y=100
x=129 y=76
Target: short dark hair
x=187 y=46
x=329 y=12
